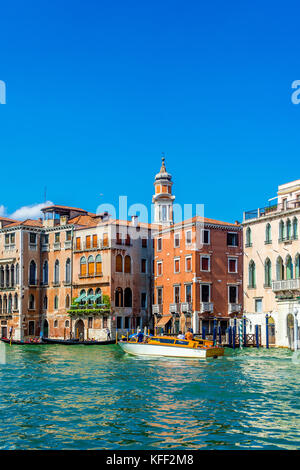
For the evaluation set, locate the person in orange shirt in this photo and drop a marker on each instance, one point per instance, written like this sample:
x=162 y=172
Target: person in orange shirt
x=189 y=335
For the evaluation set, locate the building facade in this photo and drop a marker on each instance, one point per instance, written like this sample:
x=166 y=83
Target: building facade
x=272 y=267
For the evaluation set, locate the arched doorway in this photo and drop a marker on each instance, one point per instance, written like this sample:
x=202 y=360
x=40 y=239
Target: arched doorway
x=79 y=330
x=45 y=329
x=271 y=331
x=290 y=329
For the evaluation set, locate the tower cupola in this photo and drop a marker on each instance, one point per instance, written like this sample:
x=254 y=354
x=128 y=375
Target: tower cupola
x=163 y=198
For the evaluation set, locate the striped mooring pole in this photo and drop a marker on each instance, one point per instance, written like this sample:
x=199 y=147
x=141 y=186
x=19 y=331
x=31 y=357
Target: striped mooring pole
x=241 y=334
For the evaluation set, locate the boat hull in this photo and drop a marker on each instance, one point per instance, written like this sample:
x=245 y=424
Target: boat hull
x=74 y=342
x=141 y=349
x=21 y=343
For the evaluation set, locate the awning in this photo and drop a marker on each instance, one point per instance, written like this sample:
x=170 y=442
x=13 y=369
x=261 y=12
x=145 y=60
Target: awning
x=163 y=320
x=89 y=297
x=95 y=297
x=80 y=298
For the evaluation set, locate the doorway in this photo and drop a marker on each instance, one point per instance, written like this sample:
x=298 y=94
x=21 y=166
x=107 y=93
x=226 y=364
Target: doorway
x=271 y=331
x=4 y=332
x=45 y=329
x=79 y=330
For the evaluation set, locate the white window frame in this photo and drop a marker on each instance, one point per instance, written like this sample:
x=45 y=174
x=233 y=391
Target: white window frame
x=157 y=263
x=185 y=286
x=205 y=270
x=261 y=300
x=176 y=259
x=190 y=232
x=234 y=233
x=177 y=237
x=202 y=236
x=237 y=293
x=232 y=258
x=188 y=270
x=159 y=249
x=205 y=284
x=174 y=287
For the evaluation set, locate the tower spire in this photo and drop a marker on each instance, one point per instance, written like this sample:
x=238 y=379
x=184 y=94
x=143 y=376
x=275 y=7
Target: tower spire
x=163 y=198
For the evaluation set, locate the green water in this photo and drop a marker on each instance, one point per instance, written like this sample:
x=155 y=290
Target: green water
x=91 y=397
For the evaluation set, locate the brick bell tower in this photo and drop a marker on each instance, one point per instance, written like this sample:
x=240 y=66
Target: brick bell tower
x=163 y=198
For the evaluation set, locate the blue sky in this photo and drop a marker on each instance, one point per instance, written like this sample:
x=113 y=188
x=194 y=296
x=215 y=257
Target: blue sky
x=96 y=91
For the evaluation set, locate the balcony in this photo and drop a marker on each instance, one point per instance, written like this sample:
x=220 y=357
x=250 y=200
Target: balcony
x=264 y=211
x=45 y=246
x=174 y=308
x=91 y=247
x=186 y=307
x=56 y=246
x=10 y=247
x=157 y=309
x=206 y=307
x=234 y=308
x=287 y=285
x=68 y=245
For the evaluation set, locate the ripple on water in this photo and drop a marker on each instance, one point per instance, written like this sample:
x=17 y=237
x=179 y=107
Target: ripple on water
x=55 y=397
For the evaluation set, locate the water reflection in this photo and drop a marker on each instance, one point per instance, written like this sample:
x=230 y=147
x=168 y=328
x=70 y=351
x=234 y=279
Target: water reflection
x=99 y=398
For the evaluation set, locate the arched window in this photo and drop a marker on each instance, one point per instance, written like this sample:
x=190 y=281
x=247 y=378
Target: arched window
x=295 y=228
x=2 y=276
x=45 y=302
x=56 y=302
x=17 y=274
x=119 y=297
x=252 y=276
x=82 y=292
x=12 y=275
x=288 y=229
x=67 y=324
x=91 y=265
x=98 y=264
x=297 y=265
x=127 y=264
x=281 y=230
x=119 y=264
x=7 y=275
x=67 y=301
x=83 y=266
x=98 y=295
x=1 y=304
x=32 y=273
x=4 y=304
x=10 y=303
x=90 y=293
x=55 y=324
x=56 y=272
x=268 y=233
x=268 y=273
x=31 y=302
x=279 y=269
x=248 y=237
x=289 y=267
x=45 y=272
x=68 y=271
x=127 y=297
x=16 y=302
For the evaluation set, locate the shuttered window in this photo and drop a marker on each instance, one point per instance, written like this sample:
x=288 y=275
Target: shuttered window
x=119 y=264
x=88 y=241
x=98 y=264
x=78 y=243
x=94 y=241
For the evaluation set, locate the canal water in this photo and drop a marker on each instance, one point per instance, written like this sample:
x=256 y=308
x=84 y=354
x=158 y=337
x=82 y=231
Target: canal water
x=97 y=397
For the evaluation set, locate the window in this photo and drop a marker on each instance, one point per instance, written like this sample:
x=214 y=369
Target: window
x=127 y=323
x=88 y=242
x=98 y=265
x=32 y=273
x=143 y=300
x=105 y=239
x=159 y=294
x=295 y=229
x=91 y=265
x=281 y=230
x=119 y=322
x=159 y=268
x=232 y=239
x=78 y=243
x=127 y=297
x=279 y=269
x=12 y=238
x=90 y=322
x=233 y=294
x=258 y=305
x=45 y=238
x=45 y=302
x=144 y=242
x=188 y=292
x=289 y=268
x=56 y=302
x=16 y=303
x=119 y=297
x=205 y=263
x=206 y=236
x=297 y=266
x=57 y=237
x=45 y=272
x=55 y=324
x=268 y=273
x=176 y=240
x=188 y=263
x=252 y=275
x=176 y=294
x=268 y=234
x=32 y=238
x=83 y=266
x=159 y=244
x=188 y=237
x=56 y=272
x=119 y=240
x=68 y=235
x=232 y=265
x=176 y=265
x=31 y=302
x=205 y=292
x=248 y=237
x=127 y=264
x=67 y=324
x=31 y=328
x=95 y=241
x=68 y=271
x=127 y=239
x=119 y=264
x=143 y=265
x=67 y=301
x=17 y=274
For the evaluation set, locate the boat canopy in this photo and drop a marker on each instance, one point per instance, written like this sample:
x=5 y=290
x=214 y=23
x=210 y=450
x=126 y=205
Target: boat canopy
x=164 y=320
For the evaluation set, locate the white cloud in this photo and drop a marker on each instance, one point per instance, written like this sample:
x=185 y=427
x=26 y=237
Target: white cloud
x=2 y=211
x=30 y=212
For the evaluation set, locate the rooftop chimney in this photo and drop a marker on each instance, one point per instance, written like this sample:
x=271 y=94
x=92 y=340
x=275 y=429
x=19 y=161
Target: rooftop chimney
x=134 y=220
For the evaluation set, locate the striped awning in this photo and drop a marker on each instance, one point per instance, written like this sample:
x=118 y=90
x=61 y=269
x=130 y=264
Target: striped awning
x=95 y=297
x=80 y=298
x=163 y=320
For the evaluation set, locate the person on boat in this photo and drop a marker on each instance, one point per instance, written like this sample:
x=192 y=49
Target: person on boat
x=140 y=336
x=189 y=335
x=10 y=332
x=180 y=335
x=108 y=334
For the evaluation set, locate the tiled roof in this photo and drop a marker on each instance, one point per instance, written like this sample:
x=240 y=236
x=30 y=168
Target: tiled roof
x=57 y=206
x=26 y=223
x=205 y=220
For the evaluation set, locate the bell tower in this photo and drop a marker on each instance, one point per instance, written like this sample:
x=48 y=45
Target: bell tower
x=163 y=198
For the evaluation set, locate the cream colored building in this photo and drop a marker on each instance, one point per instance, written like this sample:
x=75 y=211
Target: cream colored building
x=272 y=267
